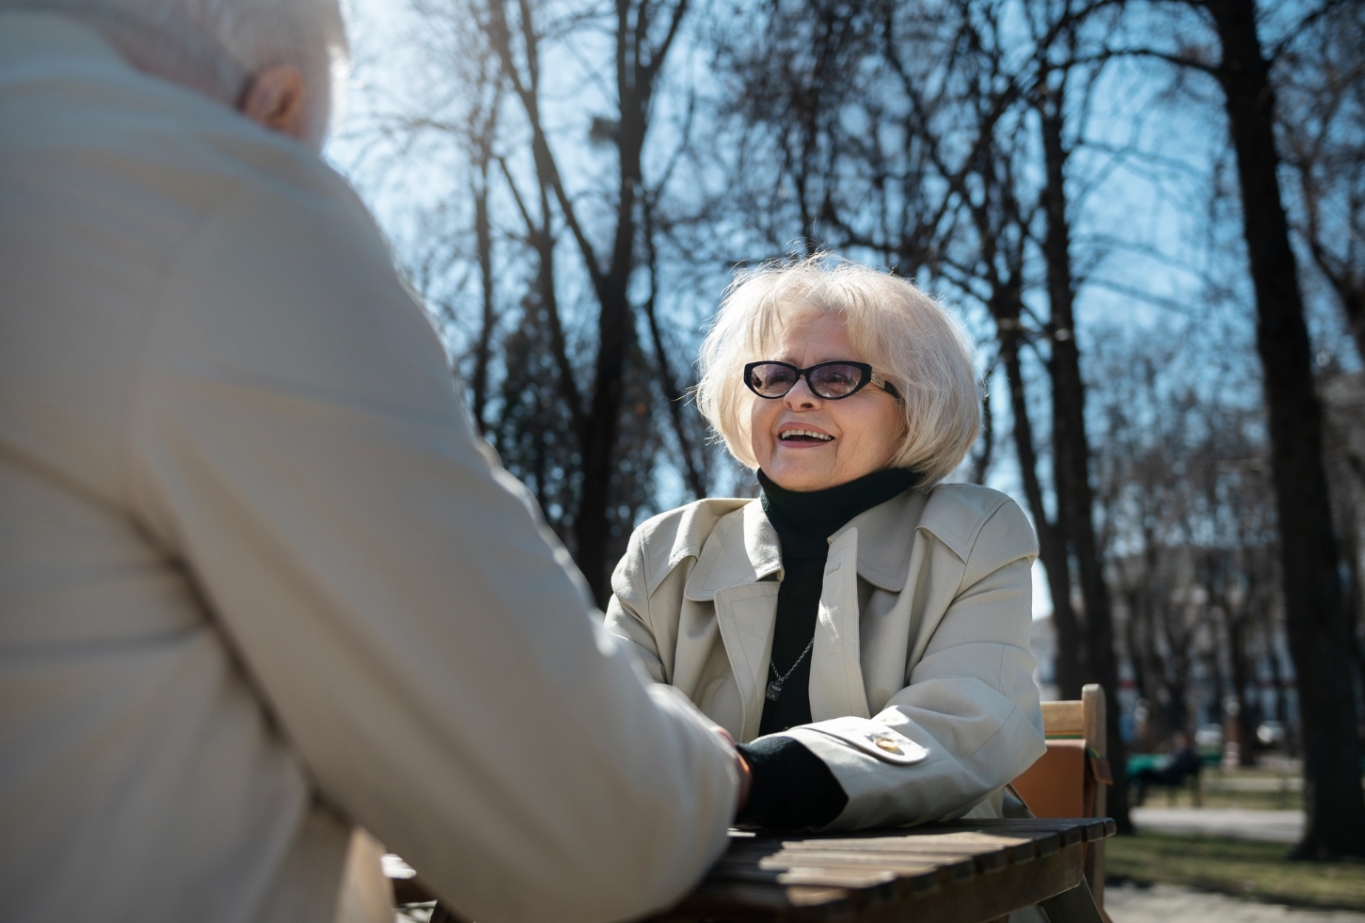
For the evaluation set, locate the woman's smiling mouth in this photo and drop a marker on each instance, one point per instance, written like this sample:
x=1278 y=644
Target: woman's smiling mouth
x=807 y=436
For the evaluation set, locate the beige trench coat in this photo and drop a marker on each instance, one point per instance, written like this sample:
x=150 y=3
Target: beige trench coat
x=923 y=628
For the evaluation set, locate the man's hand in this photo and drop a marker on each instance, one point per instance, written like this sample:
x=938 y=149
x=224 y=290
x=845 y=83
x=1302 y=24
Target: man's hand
x=746 y=775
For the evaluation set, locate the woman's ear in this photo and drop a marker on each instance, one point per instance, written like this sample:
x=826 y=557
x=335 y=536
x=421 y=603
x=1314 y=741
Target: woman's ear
x=274 y=97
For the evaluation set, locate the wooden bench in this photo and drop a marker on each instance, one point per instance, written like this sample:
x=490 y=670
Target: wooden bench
x=1070 y=780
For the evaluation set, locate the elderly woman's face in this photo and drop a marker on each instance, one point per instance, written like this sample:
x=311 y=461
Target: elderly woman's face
x=806 y=442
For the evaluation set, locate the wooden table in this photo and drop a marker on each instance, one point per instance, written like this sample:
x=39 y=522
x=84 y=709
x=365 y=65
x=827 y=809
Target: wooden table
x=963 y=872
x=960 y=872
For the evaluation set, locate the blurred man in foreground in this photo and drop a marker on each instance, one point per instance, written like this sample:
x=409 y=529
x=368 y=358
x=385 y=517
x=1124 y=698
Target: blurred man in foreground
x=259 y=584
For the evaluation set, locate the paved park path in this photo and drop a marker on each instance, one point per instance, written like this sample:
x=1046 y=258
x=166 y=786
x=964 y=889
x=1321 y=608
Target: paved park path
x=1267 y=826
x=1128 y=903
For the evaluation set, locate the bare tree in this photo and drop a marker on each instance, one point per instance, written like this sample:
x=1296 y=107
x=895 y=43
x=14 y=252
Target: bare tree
x=1314 y=607
x=566 y=355
x=1188 y=516
x=1319 y=79
x=642 y=33
x=1309 y=551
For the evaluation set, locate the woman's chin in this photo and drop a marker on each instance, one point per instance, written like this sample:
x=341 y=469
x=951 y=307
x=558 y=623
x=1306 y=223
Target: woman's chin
x=799 y=477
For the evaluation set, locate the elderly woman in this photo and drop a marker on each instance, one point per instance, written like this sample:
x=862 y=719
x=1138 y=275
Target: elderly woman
x=862 y=628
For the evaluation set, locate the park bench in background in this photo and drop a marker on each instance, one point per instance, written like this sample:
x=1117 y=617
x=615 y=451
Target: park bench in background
x=1069 y=780
x=1175 y=771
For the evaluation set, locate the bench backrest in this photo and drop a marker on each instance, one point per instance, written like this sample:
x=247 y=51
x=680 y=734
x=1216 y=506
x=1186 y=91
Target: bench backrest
x=1069 y=780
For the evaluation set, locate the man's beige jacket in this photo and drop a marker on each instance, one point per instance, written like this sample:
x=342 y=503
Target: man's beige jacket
x=923 y=629
x=259 y=583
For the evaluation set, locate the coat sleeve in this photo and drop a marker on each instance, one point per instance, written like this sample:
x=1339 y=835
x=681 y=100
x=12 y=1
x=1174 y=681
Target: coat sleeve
x=421 y=639
x=969 y=720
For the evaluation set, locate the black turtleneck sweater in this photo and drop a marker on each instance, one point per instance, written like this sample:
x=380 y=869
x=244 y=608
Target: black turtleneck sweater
x=793 y=788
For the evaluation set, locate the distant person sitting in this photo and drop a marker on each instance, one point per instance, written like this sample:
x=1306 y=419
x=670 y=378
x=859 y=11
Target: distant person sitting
x=1178 y=767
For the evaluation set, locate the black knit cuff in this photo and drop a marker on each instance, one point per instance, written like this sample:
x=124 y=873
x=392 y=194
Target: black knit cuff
x=792 y=789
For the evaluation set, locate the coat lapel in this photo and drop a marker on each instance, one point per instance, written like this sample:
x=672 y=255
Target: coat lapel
x=876 y=546
x=730 y=572
x=836 y=674
x=746 y=615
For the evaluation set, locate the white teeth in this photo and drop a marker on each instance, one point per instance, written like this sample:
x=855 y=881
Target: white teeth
x=823 y=437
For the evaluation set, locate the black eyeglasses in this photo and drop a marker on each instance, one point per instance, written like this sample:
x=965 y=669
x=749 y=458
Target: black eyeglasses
x=832 y=381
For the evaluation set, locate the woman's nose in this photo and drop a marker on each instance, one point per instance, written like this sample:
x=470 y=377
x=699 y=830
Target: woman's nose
x=801 y=395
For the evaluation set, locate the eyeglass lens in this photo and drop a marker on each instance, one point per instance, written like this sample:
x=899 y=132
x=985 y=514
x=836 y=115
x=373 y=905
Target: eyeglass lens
x=836 y=380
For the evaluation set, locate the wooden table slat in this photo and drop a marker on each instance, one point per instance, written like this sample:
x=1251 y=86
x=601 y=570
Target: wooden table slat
x=1047 y=844
x=1018 y=845
x=955 y=867
x=892 y=852
x=1015 y=848
x=1068 y=834
x=1089 y=828
x=813 y=876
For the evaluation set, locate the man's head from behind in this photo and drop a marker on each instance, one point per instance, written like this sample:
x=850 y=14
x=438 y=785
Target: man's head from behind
x=280 y=62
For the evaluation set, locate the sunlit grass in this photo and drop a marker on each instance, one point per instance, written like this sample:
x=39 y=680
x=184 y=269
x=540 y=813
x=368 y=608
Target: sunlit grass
x=1261 y=871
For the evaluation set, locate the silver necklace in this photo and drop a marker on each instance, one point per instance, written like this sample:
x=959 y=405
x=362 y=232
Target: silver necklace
x=775 y=687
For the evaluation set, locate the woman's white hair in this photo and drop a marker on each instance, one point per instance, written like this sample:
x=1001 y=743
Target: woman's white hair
x=904 y=334
x=214 y=46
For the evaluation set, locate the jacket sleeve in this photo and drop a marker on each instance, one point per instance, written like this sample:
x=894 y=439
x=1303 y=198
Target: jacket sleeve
x=969 y=720
x=420 y=637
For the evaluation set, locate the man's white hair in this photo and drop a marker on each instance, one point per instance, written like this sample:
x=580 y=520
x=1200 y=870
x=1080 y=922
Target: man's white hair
x=214 y=46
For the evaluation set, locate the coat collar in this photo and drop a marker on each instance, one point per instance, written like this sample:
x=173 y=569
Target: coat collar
x=744 y=548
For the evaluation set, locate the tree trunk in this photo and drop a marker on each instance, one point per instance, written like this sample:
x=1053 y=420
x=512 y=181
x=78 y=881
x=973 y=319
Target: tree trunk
x=1241 y=678
x=484 y=347
x=1071 y=450
x=1137 y=632
x=591 y=526
x=616 y=321
x=1314 y=610
x=674 y=395
x=1051 y=548
x=1155 y=667
x=1355 y=611
x=616 y=336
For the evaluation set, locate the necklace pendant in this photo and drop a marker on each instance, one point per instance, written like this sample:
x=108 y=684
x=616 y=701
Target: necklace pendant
x=774 y=690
